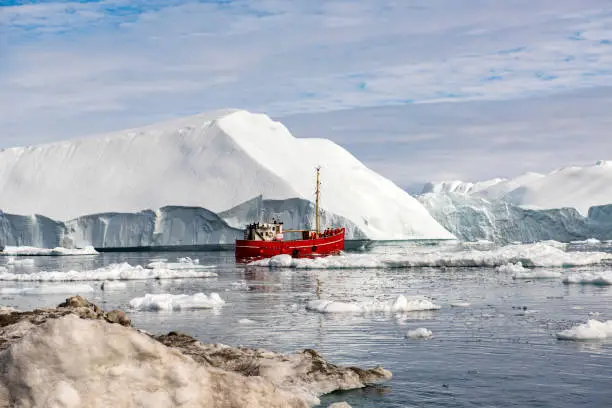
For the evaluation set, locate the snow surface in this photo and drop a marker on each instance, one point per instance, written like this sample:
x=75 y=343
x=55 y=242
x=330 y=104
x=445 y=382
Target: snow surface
x=532 y=255
x=591 y=330
x=420 y=333
x=399 y=304
x=123 y=271
x=58 y=251
x=48 y=290
x=169 y=302
x=216 y=161
x=575 y=187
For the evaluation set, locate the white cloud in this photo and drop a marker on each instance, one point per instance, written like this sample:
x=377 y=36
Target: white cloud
x=68 y=69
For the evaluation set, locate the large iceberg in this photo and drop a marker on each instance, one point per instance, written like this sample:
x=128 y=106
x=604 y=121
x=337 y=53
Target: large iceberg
x=215 y=161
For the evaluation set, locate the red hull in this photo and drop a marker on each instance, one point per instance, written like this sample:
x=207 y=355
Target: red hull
x=247 y=251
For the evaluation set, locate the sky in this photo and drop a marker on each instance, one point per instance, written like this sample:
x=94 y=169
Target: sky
x=417 y=90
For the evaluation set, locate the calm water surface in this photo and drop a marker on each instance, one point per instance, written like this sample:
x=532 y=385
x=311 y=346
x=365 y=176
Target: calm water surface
x=500 y=351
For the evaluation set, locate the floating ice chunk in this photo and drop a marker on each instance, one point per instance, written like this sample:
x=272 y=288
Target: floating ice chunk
x=166 y=301
x=246 y=321
x=537 y=274
x=122 y=271
x=461 y=304
x=511 y=268
x=603 y=278
x=339 y=405
x=58 y=251
x=113 y=285
x=591 y=330
x=531 y=255
x=590 y=241
x=12 y=260
x=48 y=290
x=400 y=304
x=183 y=263
x=420 y=333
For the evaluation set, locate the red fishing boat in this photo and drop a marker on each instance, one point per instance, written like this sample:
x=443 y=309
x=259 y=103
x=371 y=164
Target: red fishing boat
x=265 y=240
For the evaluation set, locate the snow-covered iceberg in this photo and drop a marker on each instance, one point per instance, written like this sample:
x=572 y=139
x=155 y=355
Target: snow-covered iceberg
x=574 y=187
x=215 y=161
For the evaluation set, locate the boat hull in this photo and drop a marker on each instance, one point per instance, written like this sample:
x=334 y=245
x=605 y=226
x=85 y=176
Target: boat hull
x=248 y=251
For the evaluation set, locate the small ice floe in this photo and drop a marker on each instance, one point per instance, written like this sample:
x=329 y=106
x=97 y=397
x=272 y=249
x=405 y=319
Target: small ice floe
x=246 y=321
x=166 y=301
x=14 y=261
x=603 y=278
x=113 y=285
x=339 y=405
x=537 y=274
x=460 y=304
x=182 y=263
x=511 y=268
x=122 y=271
x=53 y=289
x=591 y=330
x=420 y=333
x=58 y=251
x=590 y=241
x=400 y=304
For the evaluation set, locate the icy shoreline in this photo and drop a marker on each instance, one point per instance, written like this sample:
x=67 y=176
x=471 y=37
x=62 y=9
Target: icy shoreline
x=101 y=360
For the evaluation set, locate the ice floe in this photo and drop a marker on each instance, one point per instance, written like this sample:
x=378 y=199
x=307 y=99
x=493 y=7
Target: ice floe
x=603 y=278
x=123 y=271
x=246 y=321
x=460 y=304
x=167 y=301
x=528 y=255
x=591 y=330
x=58 y=251
x=14 y=261
x=399 y=304
x=420 y=333
x=182 y=263
x=48 y=290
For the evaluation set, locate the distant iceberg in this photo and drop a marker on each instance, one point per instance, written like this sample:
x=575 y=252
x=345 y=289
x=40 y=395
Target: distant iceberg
x=569 y=204
x=569 y=187
x=473 y=218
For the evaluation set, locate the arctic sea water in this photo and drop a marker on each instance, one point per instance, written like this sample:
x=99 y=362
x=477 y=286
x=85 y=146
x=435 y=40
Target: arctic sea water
x=494 y=337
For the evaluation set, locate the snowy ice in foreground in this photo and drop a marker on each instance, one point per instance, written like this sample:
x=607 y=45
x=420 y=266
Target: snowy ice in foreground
x=169 y=302
x=122 y=271
x=591 y=330
x=420 y=333
x=400 y=304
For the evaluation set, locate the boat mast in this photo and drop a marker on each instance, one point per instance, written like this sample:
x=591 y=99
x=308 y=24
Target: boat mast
x=317 y=192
